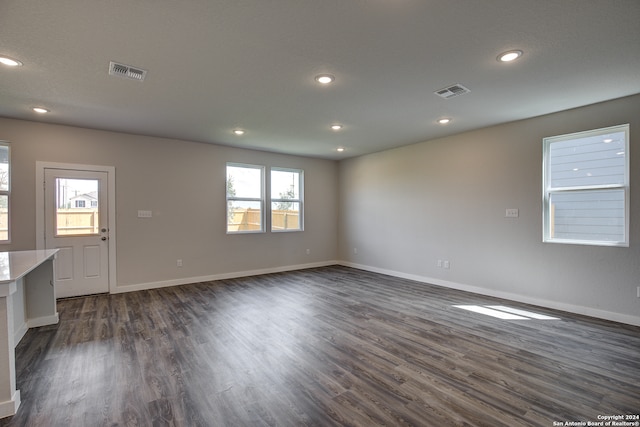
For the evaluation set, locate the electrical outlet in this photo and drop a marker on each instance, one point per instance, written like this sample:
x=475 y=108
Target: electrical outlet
x=308 y=251
x=439 y=263
x=446 y=264
x=511 y=213
x=179 y=263
x=638 y=292
x=355 y=250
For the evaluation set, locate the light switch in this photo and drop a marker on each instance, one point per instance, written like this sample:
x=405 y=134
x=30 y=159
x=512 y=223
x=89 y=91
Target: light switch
x=144 y=214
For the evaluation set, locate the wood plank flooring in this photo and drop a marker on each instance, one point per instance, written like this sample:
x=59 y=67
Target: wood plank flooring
x=331 y=346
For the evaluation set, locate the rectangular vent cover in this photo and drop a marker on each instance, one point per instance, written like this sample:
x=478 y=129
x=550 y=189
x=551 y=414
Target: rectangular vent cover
x=126 y=71
x=452 y=91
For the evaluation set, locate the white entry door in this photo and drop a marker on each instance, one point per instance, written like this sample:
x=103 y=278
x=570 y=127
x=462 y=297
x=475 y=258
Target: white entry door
x=76 y=222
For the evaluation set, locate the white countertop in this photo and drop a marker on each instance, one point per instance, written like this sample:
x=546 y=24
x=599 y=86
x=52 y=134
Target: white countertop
x=14 y=265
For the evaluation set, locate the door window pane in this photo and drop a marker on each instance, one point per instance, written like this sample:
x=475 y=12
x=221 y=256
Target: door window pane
x=77 y=207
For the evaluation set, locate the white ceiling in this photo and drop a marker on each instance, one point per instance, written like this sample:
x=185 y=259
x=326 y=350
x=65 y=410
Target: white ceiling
x=217 y=65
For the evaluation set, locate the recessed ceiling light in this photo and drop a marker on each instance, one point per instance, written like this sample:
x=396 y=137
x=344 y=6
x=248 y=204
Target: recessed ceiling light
x=339 y=149
x=444 y=120
x=509 y=56
x=325 y=79
x=10 y=62
x=336 y=126
x=40 y=110
x=238 y=131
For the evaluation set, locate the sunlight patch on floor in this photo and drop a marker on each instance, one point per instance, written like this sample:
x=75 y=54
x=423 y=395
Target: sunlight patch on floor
x=505 y=313
x=520 y=312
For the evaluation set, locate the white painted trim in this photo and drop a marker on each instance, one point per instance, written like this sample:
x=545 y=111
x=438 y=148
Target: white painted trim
x=10 y=407
x=33 y=323
x=43 y=321
x=111 y=184
x=19 y=334
x=214 y=277
x=570 y=308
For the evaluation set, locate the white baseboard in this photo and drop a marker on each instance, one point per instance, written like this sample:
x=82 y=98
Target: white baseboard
x=10 y=407
x=43 y=321
x=33 y=323
x=222 y=276
x=570 y=308
x=19 y=333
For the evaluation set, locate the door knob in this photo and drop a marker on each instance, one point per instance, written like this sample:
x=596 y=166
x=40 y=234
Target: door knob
x=103 y=239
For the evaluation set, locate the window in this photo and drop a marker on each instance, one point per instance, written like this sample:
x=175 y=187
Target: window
x=245 y=198
x=5 y=191
x=73 y=217
x=586 y=187
x=286 y=199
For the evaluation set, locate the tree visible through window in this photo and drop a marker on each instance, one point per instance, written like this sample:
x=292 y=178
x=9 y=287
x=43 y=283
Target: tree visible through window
x=245 y=194
x=245 y=198
x=286 y=199
x=586 y=187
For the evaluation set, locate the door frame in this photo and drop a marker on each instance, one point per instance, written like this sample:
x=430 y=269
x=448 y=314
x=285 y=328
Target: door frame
x=111 y=196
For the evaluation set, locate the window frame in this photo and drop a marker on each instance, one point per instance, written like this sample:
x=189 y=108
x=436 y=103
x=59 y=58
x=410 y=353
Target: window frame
x=7 y=192
x=548 y=191
x=299 y=200
x=261 y=199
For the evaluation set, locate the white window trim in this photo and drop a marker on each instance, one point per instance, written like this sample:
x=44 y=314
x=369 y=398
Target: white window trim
x=7 y=193
x=263 y=225
x=547 y=191
x=299 y=200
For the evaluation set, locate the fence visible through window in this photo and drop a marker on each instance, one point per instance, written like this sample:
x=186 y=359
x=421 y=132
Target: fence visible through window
x=247 y=219
x=77 y=207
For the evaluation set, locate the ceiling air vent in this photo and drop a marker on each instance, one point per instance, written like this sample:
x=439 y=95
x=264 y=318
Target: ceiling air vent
x=452 y=91
x=126 y=71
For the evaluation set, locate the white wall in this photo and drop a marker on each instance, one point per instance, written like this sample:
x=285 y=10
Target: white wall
x=183 y=183
x=404 y=209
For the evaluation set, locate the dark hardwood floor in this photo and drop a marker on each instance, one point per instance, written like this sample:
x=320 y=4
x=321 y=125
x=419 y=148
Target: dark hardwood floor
x=329 y=346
